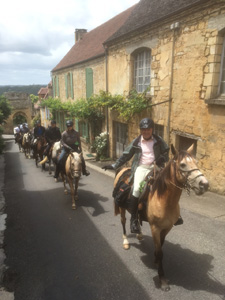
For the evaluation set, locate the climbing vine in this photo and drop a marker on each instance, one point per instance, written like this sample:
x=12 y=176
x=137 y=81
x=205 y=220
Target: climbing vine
x=91 y=109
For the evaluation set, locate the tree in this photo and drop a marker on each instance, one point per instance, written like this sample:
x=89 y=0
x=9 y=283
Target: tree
x=5 y=109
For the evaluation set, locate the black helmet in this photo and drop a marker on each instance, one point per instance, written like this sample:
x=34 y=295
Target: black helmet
x=69 y=123
x=146 y=123
x=53 y=122
x=38 y=122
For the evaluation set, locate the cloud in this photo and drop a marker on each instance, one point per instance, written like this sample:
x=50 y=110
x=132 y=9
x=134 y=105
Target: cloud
x=35 y=36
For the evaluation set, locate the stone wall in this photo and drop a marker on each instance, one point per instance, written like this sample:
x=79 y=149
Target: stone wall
x=193 y=76
x=22 y=105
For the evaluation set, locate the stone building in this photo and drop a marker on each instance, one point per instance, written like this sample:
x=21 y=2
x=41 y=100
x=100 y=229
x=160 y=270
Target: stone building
x=175 y=47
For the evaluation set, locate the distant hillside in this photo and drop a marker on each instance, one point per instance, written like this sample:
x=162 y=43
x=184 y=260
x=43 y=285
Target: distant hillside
x=30 y=89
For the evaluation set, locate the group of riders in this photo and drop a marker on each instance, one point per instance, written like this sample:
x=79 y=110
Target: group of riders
x=148 y=150
x=70 y=141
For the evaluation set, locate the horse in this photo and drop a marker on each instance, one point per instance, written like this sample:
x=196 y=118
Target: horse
x=18 y=140
x=72 y=171
x=54 y=151
x=26 y=144
x=39 y=150
x=162 y=209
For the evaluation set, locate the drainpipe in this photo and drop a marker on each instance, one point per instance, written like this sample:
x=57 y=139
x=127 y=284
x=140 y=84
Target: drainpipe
x=107 y=89
x=173 y=27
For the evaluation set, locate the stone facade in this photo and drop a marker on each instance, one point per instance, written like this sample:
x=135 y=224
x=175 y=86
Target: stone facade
x=185 y=68
x=22 y=105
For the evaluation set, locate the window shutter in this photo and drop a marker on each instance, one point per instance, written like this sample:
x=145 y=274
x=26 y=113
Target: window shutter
x=66 y=85
x=57 y=85
x=89 y=82
x=77 y=125
x=71 y=84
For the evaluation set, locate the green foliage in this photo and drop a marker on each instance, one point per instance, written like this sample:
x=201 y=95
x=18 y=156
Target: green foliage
x=34 y=99
x=91 y=109
x=5 y=109
x=1 y=140
x=100 y=145
x=29 y=89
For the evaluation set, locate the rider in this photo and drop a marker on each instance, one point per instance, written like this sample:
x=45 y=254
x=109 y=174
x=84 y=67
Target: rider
x=52 y=135
x=70 y=142
x=24 y=129
x=16 y=132
x=39 y=131
x=147 y=149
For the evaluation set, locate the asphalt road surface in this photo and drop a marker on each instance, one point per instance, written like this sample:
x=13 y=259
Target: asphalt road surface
x=55 y=253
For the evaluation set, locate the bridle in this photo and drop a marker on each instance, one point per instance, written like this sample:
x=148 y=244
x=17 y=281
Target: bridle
x=71 y=166
x=185 y=174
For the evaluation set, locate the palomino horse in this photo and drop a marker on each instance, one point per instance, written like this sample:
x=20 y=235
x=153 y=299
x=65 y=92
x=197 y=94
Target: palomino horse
x=39 y=150
x=72 y=171
x=26 y=144
x=162 y=207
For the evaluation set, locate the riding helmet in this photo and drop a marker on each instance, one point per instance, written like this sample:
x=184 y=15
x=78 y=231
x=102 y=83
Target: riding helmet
x=53 y=122
x=69 y=123
x=146 y=123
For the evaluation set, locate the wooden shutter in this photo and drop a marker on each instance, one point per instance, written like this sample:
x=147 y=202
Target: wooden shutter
x=89 y=82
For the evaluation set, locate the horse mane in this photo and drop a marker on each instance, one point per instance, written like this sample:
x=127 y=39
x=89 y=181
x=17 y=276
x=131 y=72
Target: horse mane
x=161 y=181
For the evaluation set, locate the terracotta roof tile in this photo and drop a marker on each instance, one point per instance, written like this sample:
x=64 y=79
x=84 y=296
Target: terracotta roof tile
x=147 y=12
x=91 y=45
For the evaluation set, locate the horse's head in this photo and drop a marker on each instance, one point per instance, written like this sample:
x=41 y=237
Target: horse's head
x=187 y=172
x=75 y=164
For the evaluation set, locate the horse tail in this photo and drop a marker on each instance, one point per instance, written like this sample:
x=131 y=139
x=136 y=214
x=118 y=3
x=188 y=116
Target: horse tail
x=43 y=161
x=116 y=209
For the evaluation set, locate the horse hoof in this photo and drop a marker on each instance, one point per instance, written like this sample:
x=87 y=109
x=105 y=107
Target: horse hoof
x=74 y=207
x=126 y=246
x=56 y=179
x=164 y=285
x=65 y=192
x=139 y=236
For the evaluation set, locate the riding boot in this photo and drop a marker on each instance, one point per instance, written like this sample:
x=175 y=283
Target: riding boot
x=134 y=223
x=84 y=170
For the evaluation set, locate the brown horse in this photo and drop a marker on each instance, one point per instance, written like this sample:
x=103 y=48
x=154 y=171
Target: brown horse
x=18 y=140
x=53 y=153
x=39 y=150
x=72 y=171
x=162 y=208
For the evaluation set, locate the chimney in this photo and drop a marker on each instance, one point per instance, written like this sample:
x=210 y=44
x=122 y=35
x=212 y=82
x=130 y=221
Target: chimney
x=79 y=33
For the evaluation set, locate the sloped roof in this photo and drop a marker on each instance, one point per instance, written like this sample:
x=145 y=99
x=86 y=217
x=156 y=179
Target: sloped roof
x=43 y=91
x=147 y=12
x=91 y=45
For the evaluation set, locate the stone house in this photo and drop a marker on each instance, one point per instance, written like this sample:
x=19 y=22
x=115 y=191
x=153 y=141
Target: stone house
x=177 y=48
x=82 y=71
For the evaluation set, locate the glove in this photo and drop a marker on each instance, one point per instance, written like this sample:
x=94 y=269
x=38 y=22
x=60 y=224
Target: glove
x=108 y=167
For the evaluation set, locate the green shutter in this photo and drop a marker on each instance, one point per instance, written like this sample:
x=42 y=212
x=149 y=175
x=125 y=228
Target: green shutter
x=71 y=84
x=65 y=76
x=53 y=86
x=89 y=82
x=57 y=85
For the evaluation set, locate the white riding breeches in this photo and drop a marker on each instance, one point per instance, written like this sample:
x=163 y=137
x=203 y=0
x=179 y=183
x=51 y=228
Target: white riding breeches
x=139 y=176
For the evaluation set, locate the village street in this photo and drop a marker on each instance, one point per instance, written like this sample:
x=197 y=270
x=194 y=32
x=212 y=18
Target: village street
x=56 y=253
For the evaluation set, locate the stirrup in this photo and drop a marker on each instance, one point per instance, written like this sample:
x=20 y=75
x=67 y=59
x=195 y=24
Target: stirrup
x=135 y=226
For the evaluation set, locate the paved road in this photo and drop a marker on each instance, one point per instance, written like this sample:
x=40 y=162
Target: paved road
x=56 y=253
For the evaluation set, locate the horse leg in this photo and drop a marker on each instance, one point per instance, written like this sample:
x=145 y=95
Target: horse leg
x=76 y=187
x=158 y=238
x=126 y=244
x=49 y=166
x=70 y=180
x=64 y=183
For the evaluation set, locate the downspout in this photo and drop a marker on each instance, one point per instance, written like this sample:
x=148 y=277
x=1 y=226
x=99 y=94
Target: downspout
x=173 y=27
x=107 y=89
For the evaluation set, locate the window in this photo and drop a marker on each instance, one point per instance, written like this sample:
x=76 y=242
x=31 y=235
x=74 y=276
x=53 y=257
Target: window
x=69 y=85
x=159 y=130
x=142 y=67
x=222 y=72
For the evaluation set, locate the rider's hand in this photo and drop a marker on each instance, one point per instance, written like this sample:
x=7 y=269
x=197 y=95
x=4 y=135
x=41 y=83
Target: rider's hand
x=108 y=167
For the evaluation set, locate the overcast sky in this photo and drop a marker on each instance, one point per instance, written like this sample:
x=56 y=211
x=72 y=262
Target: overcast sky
x=36 y=35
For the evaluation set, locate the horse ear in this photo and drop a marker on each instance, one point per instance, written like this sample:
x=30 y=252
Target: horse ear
x=190 y=149
x=174 y=150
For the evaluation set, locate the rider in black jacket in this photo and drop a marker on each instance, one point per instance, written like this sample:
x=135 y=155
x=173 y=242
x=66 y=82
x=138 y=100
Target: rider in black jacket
x=52 y=135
